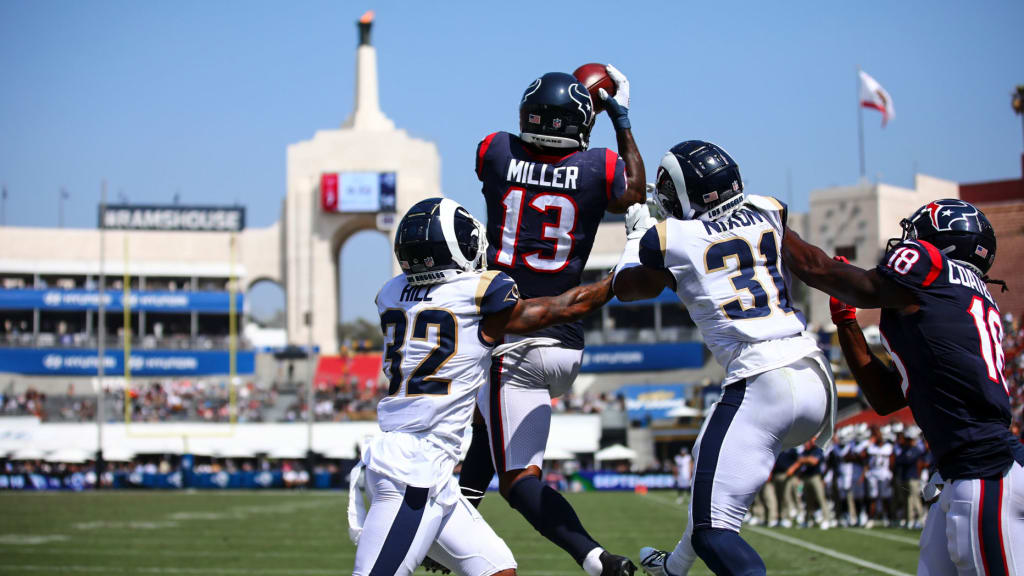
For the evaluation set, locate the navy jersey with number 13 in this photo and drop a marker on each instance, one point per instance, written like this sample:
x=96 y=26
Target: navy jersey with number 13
x=542 y=215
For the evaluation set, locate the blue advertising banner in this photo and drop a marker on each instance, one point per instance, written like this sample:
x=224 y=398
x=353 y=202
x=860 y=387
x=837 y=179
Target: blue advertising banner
x=653 y=401
x=643 y=357
x=150 y=301
x=79 y=481
x=84 y=362
x=598 y=480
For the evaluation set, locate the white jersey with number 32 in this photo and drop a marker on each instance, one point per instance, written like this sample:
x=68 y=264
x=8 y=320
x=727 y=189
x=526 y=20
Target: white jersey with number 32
x=435 y=360
x=730 y=276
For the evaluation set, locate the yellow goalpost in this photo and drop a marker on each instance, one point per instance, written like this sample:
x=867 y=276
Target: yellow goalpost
x=184 y=431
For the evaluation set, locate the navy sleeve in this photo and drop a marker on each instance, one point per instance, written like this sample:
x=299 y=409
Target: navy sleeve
x=913 y=263
x=651 y=253
x=614 y=175
x=481 y=154
x=498 y=293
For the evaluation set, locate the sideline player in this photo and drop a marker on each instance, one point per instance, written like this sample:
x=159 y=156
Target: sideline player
x=684 y=475
x=878 y=476
x=719 y=251
x=546 y=192
x=440 y=319
x=942 y=329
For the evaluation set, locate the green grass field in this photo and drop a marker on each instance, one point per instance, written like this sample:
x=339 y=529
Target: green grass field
x=304 y=533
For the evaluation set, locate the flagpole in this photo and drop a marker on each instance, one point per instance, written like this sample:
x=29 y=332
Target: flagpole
x=860 y=125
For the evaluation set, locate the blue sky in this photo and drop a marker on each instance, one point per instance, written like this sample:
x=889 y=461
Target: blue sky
x=202 y=98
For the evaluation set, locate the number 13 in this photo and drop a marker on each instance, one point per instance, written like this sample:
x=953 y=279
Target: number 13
x=560 y=232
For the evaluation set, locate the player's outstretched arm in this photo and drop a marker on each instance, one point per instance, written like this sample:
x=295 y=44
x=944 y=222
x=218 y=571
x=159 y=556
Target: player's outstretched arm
x=641 y=272
x=617 y=108
x=861 y=288
x=642 y=282
x=880 y=383
x=535 y=313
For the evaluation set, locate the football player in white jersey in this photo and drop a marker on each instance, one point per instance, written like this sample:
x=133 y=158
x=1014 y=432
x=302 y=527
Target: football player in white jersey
x=684 y=474
x=719 y=251
x=878 y=476
x=440 y=320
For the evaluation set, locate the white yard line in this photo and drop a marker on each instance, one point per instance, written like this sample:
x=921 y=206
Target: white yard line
x=56 y=568
x=826 y=551
x=814 y=547
x=884 y=536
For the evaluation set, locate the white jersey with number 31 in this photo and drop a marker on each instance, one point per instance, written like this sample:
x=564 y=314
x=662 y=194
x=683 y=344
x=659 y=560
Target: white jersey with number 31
x=730 y=276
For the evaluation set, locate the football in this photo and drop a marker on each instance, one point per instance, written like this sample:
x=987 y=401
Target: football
x=594 y=76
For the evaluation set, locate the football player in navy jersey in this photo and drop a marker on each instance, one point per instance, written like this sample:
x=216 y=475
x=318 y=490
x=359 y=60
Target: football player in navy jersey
x=546 y=192
x=942 y=329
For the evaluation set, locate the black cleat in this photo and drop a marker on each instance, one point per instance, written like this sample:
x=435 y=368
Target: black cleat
x=613 y=565
x=431 y=565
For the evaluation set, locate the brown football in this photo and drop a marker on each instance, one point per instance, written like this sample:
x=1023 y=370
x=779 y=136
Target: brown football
x=594 y=76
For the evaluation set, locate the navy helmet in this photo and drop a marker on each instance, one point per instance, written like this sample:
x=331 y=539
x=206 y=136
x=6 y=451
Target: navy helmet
x=438 y=239
x=957 y=228
x=556 y=112
x=698 y=180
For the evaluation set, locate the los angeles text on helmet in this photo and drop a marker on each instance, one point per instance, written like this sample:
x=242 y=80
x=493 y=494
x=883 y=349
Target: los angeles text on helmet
x=523 y=172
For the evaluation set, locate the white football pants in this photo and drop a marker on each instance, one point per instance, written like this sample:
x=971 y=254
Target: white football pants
x=753 y=421
x=976 y=528
x=516 y=401
x=404 y=524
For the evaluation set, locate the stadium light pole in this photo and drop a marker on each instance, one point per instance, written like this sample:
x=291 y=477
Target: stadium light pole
x=101 y=344
x=310 y=396
x=1017 y=101
x=3 y=207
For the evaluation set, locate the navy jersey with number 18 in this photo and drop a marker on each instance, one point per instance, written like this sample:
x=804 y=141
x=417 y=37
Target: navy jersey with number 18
x=950 y=358
x=542 y=215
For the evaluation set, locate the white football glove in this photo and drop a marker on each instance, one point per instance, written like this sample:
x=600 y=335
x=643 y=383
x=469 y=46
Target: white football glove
x=654 y=204
x=621 y=86
x=933 y=488
x=638 y=220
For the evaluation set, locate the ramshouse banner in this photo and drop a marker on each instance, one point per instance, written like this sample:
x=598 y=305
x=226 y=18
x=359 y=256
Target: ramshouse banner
x=165 y=218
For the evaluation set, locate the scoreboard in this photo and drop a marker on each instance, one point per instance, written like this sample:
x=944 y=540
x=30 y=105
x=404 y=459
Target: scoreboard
x=357 y=192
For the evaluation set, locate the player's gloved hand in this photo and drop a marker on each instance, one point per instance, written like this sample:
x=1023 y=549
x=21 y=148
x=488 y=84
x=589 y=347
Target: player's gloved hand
x=638 y=220
x=931 y=490
x=654 y=203
x=617 y=106
x=841 y=311
x=431 y=565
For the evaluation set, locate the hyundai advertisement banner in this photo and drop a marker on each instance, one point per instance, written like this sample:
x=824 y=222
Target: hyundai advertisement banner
x=85 y=362
x=643 y=357
x=149 y=301
x=653 y=401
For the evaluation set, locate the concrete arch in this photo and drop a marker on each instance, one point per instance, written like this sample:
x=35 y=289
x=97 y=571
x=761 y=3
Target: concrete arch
x=367 y=142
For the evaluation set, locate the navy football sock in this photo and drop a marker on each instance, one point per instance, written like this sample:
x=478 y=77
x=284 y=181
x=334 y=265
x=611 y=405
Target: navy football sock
x=477 y=469
x=726 y=554
x=551 y=515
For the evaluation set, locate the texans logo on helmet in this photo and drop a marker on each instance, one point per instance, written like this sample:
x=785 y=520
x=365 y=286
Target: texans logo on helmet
x=581 y=97
x=943 y=213
x=531 y=89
